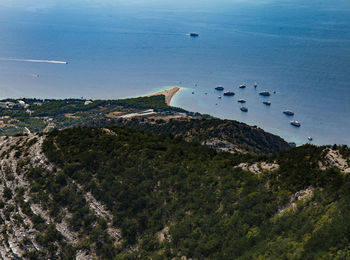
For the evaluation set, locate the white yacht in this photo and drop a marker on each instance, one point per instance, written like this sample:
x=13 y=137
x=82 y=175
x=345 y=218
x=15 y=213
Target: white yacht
x=295 y=123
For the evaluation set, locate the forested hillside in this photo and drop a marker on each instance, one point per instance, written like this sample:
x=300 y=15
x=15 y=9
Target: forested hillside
x=223 y=135
x=126 y=194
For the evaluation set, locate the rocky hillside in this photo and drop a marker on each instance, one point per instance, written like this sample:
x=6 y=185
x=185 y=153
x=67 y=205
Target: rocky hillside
x=33 y=226
x=106 y=193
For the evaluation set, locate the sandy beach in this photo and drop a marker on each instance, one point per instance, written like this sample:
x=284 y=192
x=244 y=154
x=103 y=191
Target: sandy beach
x=169 y=94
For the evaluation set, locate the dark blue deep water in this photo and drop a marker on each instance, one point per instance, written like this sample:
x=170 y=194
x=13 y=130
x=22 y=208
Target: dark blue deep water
x=115 y=49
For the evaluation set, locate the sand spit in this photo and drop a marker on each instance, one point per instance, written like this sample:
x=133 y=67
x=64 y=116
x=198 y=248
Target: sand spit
x=169 y=94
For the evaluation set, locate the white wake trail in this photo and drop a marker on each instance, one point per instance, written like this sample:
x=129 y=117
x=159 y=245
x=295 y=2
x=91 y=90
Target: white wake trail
x=36 y=61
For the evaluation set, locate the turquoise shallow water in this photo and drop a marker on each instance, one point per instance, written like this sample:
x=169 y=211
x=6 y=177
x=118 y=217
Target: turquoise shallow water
x=115 y=49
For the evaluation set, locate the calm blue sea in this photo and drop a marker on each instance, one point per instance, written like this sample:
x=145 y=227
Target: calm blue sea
x=116 y=49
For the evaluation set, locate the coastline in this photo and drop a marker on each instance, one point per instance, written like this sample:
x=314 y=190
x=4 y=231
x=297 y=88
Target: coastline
x=186 y=100
x=168 y=93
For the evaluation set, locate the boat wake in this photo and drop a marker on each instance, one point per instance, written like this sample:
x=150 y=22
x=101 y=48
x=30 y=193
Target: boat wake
x=36 y=61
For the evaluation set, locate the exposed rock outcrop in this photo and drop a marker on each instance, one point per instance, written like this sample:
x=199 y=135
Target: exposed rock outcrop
x=334 y=159
x=301 y=195
x=259 y=167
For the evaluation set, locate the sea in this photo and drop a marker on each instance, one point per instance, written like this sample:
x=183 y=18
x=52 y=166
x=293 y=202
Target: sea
x=298 y=50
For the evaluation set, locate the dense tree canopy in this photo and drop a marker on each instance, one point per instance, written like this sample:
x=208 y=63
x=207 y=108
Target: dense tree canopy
x=211 y=208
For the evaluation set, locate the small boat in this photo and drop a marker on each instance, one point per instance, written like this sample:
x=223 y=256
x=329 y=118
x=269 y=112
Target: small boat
x=244 y=109
x=267 y=103
x=229 y=93
x=219 y=97
x=309 y=138
x=220 y=88
x=264 y=93
x=288 y=113
x=295 y=123
x=242 y=86
x=241 y=101
x=255 y=85
x=193 y=34
x=192 y=93
x=206 y=93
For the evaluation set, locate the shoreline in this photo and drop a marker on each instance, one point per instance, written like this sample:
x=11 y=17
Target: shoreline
x=183 y=101
x=168 y=93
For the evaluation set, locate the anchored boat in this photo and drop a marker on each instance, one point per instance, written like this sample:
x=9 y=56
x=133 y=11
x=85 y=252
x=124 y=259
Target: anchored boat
x=229 y=93
x=264 y=93
x=288 y=112
x=295 y=123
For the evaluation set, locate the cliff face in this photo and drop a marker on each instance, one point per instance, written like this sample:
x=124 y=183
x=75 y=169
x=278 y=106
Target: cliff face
x=98 y=193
